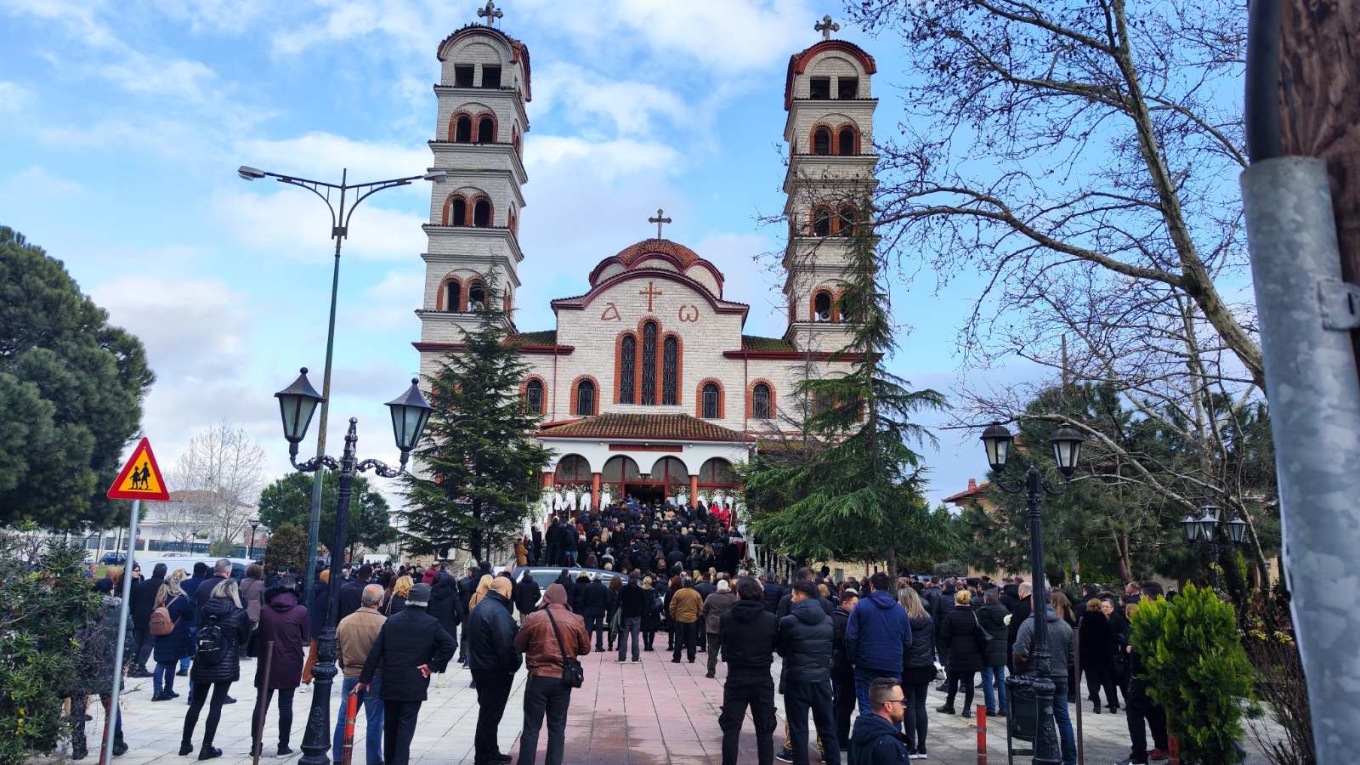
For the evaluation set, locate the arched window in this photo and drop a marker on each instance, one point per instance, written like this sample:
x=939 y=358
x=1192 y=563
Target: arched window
x=848 y=215
x=821 y=141
x=533 y=396
x=821 y=221
x=476 y=296
x=649 y=364
x=585 y=398
x=821 y=306
x=481 y=213
x=760 y=402
x=572 y=468
x=453 y=292
x=670 y=371
x=627 y=367
x=717 y=471
x=486 y=130
x=846 y=141
x=457 y=212
x=711 y=397
x=462 y=130
x=514 y=136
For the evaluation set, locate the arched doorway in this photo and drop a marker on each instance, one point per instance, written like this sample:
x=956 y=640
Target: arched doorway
x=572 y=469
x=618 y=475
x=671 y=476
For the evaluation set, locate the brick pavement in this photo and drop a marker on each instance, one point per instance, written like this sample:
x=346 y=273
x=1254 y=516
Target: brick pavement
x=652 y=713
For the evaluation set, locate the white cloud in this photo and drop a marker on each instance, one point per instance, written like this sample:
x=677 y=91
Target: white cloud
x=289 y=223
x=389 y=305
x=747 y=278
x=140 y=73
x=583 y=97
x=319 y=155
x=15 y=98
x=229 y=16
x=194 y=330
x=36 y=181
x=409 y=24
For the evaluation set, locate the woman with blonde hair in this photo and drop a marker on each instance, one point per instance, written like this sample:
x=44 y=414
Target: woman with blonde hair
x=224 y=617
x=918 y=670
x=396 y=602
x=1097 y=643
x=483 y=587
x=960 y=631
x=174 y=645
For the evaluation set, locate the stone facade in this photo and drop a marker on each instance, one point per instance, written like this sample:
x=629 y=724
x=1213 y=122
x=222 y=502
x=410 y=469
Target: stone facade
x=655 y=337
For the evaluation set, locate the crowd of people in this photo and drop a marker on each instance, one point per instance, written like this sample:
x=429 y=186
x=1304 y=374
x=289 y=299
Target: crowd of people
x=873 y=648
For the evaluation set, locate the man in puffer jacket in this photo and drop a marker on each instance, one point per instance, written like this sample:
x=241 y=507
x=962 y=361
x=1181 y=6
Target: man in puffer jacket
x=805 y=638
x=877 y=636
x=1060 y=652
x=748 y=635
x=876 y=740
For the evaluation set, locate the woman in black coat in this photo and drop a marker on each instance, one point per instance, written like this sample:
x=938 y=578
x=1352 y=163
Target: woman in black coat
x=959 y=630
x=223 y=613
x=444 y=603
x=992 y=618
x=1097 y=644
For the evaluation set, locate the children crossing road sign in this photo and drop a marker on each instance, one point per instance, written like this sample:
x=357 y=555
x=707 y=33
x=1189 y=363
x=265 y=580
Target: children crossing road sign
x=140 y=477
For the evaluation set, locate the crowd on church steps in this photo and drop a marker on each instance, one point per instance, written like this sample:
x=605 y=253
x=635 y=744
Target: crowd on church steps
x=863 y=650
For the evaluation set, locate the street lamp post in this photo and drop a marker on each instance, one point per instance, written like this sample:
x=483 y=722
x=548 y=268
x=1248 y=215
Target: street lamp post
x=1066 y=444
x=339 y=231
x=1206 y=526
x=250 y=548
x=410 y=411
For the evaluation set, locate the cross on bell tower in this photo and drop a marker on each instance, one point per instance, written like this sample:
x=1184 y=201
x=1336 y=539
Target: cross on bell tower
x=491 y=13
x=826 y=26
x=658 y=220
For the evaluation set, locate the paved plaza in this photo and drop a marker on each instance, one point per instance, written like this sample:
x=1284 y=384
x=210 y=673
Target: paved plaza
x=652 y=713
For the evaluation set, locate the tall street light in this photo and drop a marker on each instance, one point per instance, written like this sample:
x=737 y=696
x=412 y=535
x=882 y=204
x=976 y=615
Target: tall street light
x=297 y=403
x=250 y=549
x=1066 y=443
x=1205 y=526
x=339 y=230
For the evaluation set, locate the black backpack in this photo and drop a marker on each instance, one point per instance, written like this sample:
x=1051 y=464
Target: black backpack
x=212 y=643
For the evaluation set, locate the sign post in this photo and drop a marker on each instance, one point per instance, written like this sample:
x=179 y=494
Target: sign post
x=139 y=479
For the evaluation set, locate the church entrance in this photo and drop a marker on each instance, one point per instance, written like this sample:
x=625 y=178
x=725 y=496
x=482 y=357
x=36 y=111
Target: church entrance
x=647 y=493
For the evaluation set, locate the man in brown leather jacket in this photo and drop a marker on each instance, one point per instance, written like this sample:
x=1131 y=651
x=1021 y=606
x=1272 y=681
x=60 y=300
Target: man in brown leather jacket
x=545 y=691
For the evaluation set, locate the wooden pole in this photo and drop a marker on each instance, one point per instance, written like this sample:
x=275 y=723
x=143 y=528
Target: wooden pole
x=258 y=746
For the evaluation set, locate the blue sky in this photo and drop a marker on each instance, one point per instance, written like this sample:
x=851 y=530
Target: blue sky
x=124 y=123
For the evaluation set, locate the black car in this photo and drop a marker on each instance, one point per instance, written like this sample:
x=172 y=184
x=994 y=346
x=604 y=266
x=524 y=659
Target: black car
x=546 y=575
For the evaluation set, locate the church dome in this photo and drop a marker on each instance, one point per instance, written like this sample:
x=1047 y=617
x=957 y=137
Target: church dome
x=660 y=255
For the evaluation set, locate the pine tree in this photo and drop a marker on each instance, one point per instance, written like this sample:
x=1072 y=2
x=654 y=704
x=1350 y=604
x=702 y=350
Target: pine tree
x=854 y=492
x=478 y=466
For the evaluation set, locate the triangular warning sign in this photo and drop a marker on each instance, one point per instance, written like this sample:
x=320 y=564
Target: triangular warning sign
x=140 y=477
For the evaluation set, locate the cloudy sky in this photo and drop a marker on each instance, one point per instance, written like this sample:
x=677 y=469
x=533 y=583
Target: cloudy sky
x=124 y=122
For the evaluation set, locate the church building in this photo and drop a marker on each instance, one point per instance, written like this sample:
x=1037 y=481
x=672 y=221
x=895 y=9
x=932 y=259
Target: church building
x=646 y=386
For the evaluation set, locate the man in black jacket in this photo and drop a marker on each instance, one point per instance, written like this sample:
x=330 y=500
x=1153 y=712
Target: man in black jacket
x=842 y=668
x=748 y=643
x=493 y=660
x=352 y=592
x=527 y=595
x=594 y=606
x=1019 y=614
x=410 y=646
x=142 y=603
x=633 y=604
x=877 y=741
x=805 y=639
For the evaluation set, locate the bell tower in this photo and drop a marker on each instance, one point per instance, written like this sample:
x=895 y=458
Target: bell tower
x=473 y=229
x=829 y=132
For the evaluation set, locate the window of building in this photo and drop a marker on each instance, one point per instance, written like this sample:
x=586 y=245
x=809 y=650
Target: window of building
x=572 y=468
x=462 y=75
x=462 y=129
x=848 y=215
x=847 y=87
x=760 y=402
x=533 y=396
x=627 y=366
x=486 y=130
x=710 y=396
x=821 y=141
x=476 y=296
x=585 y=398
x=457 y=212
x=481 y=213
x=491 y=76
x=453 y=292
x=821 y=221
x=821 y=306
x=670 y=371
x=845 y=141
x=819 y=88
x=648 y=364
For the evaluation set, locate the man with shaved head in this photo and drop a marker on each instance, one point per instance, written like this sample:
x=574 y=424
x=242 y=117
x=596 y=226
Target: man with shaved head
x=355 y=635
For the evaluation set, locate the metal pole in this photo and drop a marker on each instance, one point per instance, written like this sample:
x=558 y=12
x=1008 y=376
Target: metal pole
x=338 y=232
x=257 y=745
x=1305 y=314
x=316 y=741
x=111 y=719
x=1046 y=736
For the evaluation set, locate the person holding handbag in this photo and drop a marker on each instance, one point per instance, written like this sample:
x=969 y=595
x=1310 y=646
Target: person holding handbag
x=961 y=633
x=551 y=640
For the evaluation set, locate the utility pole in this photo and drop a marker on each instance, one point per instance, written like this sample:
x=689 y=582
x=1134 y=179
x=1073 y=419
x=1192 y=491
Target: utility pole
x=1301 y=198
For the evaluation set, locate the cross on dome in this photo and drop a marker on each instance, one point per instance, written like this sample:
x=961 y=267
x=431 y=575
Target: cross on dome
x=491 y=13
x=826 y=26
x=659 y=220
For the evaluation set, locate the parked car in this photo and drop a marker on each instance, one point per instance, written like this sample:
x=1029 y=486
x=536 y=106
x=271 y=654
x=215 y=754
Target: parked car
x=546 y=575
x=113 y=559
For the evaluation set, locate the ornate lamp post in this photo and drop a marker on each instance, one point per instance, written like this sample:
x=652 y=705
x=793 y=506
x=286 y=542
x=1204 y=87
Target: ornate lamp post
x=297 y=404
x=1205 y=527
x=250 y=548
x=339 y=231
x=1066 y=443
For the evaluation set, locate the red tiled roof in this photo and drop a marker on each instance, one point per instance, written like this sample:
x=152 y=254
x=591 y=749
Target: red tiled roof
x=667 y=427
x=973 y=490
x=542 y=337
x=755 y=343
x=680 y=252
